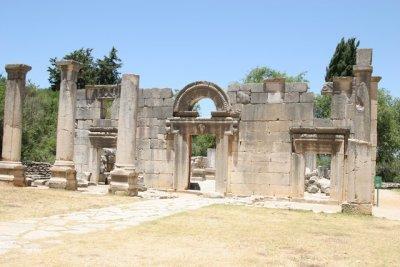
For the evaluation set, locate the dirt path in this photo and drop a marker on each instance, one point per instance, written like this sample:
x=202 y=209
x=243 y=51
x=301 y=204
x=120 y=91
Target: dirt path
x=24 y=234
x=389 y=205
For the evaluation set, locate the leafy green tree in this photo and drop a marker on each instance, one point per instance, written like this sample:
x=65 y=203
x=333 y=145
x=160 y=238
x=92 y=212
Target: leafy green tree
x=343 y=59
x=100 y=71
x=39 y=124
x=258 y=74
x=107 y=68
x=341 y=64
x=200 y=143
x=322 y=106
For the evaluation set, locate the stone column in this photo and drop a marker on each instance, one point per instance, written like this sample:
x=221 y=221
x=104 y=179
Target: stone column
x=11 y=168
x=124 y=176
x=63 y=170
x=94 y=165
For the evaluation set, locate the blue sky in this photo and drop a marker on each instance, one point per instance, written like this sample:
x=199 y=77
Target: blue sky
x=172 y=43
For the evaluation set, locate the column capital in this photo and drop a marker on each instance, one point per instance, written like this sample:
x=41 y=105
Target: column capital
x=69 y=65
x=342 y=84
x=17 y=71
x=376 y=79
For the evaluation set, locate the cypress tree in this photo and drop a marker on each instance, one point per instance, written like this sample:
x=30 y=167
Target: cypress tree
x=343 y=59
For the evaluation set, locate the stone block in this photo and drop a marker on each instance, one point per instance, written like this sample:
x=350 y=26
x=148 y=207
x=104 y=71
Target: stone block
x=296 y=87
x=277 y=126
x=326 y=122
x=232 y=96
x=275 y=97
x=274 y=85
x=165 y=93
x=292 y=97
x=307 y=97
x=258 y=98
x=364 y=57
x=338 y=106
x=254 y=87
x=168 y=102
x=81 y=95
x=299 y=111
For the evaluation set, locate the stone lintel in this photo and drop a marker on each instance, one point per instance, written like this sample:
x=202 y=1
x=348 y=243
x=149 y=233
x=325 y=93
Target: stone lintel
x=320 y=130
x=14 y=172
x=17 y=71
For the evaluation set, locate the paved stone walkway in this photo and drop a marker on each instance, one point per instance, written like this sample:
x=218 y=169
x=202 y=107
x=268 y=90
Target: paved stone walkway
x=24 y=234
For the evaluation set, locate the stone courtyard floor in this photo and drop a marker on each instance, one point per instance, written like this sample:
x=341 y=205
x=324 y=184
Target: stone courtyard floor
x=31 y=234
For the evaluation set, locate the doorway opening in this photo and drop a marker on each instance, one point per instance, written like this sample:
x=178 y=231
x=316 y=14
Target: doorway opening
x=202 y=163
x=317 y=176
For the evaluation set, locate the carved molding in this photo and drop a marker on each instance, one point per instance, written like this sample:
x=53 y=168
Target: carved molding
x=193 y=92
x=94 y=92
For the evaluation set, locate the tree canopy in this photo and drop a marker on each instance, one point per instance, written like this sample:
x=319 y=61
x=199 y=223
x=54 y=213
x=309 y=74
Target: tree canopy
x=343 y=59
x=258 y=74
x=99 y=71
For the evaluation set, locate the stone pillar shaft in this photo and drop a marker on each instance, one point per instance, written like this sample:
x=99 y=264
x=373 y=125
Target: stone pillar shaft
x=63 y=170
x=11 y=168
x=124 y=177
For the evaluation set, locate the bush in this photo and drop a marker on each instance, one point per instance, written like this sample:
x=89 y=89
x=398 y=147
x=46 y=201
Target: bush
x=39 y=125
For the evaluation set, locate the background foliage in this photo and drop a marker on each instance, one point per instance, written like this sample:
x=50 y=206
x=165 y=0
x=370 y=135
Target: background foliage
x=200 y=143
x=99 y=71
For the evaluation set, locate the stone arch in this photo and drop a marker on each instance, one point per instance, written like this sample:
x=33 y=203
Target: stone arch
x=194 y=92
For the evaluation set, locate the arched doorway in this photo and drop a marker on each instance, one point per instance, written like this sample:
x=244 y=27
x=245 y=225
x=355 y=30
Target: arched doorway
x=185 y=124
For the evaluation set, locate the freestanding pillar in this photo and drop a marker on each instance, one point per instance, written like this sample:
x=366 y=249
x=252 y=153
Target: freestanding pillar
x=63 y=174
x=11 y=168
x=124 y=176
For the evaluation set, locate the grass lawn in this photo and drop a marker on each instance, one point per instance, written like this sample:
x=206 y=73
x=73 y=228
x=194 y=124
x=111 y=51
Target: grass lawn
x=230 y=235
x=25 y=202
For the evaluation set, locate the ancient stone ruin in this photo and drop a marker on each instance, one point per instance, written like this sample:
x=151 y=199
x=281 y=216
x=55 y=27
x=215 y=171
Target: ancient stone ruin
x=263 y=133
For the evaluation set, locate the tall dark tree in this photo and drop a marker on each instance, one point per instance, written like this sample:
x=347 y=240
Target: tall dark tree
x=87 y=74
x=107 y=68
x=343 y=59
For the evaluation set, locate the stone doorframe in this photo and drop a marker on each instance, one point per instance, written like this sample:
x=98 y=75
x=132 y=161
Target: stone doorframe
x=223 y=124
x=103 y=134
x=324 y=140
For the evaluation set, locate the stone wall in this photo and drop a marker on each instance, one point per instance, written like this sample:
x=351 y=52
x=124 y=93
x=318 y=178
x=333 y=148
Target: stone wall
x=262 y=155
x=37 y=170
x=154 y=155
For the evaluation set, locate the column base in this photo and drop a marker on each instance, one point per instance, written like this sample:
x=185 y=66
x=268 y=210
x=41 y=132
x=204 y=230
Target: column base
x=63 y=176
x=125 y=181
x=13 y=172
x=357 y=208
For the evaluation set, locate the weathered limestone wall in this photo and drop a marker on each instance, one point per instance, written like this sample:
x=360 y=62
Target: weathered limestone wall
x=154 y=152
x=155 y=149
x=262 y=156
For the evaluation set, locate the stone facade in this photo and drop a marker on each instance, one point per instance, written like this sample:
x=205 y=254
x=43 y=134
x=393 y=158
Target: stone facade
x=266 y=135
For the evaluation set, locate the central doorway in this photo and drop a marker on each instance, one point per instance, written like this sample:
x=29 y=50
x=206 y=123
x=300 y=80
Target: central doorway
x=202 y=163
x=222 y=123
